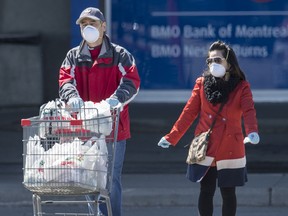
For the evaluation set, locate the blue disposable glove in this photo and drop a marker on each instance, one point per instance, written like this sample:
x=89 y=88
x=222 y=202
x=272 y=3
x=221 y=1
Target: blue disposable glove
x=114 y=103
x=252 y=138
x=164 y=143
x=75 y=103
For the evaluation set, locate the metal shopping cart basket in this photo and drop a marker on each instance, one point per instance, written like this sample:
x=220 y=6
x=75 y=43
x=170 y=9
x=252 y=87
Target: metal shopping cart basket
x=65 y=156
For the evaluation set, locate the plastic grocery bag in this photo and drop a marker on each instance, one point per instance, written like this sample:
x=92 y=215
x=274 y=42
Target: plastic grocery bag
x=95 y=163
x=33 y=162
x=76 y=161
x=53 y=111
x=97 y=117
x=62 y=162
x=34 y=151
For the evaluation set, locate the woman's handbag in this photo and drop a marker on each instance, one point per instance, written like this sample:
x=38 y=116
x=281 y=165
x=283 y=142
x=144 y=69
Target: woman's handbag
x=198 y=146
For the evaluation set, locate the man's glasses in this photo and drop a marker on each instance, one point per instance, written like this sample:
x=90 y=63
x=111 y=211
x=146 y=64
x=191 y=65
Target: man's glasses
x=217 y=60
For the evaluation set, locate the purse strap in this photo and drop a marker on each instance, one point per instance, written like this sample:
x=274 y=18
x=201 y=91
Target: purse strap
x=214 y=120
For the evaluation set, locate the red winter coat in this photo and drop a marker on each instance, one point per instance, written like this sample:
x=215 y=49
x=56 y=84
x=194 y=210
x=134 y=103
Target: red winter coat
x=226 y=146
x=113 y=73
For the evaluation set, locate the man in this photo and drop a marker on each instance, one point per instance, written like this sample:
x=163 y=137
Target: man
x=100 y=70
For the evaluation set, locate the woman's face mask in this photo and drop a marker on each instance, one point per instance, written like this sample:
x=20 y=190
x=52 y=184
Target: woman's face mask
x=217 y=70
x=90 y=34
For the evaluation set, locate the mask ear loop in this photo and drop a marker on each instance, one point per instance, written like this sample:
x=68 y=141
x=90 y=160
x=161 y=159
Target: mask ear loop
x=227 y=75
x=227 y=53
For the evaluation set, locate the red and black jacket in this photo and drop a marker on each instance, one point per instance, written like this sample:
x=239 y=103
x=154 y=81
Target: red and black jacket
x=112 y=74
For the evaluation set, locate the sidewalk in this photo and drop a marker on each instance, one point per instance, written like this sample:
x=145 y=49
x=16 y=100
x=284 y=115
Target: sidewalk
x=175 y=189
x=166 y=190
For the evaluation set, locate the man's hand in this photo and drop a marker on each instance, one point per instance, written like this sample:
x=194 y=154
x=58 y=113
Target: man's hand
x=114 y=103
x=75 y=103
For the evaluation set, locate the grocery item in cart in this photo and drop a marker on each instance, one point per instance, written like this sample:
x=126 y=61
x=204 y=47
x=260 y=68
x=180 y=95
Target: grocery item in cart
x=33 y=160
x=63 y=162
x=56 y=118
x=53 y=115
x=78 y=162
x=95 y=162
x=98 y=115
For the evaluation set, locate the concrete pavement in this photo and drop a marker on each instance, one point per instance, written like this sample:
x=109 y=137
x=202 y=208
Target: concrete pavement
x=160 y=195
x=176 y=190
x=164 y=190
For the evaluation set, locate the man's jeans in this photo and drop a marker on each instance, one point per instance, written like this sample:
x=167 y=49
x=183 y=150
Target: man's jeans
x=116 y=190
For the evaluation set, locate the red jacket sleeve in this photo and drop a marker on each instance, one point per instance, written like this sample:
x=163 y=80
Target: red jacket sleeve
x=130 y=80
x=188 y=115
x=67 y=87
x=249 y=112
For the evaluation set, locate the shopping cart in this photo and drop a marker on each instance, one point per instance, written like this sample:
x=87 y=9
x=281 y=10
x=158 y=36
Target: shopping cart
x=69 y=157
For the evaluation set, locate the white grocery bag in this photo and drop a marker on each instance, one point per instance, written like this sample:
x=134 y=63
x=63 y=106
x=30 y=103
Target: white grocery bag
x=95 y=163
x=34 y=160
x=58 y=164
x=34 y=151
x=76 y=161
x=97 y=117
x=63 y=162
x=53 y=111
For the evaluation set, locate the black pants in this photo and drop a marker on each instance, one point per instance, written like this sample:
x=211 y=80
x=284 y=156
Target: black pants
x=207 y=191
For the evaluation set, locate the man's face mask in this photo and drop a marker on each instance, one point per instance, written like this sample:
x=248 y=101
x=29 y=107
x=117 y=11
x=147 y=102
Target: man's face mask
x=90 y=34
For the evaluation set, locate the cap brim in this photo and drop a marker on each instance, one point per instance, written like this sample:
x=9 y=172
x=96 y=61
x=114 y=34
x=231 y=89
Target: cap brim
x=81 y=18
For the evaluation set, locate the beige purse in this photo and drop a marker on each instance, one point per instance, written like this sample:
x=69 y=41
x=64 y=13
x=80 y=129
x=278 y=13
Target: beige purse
x=198 y=146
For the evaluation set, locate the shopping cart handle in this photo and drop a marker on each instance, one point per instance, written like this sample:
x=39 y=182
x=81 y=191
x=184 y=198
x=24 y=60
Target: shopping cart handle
x=119 y=107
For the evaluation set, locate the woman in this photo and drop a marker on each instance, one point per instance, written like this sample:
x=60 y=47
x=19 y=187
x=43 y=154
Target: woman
x=223 y=82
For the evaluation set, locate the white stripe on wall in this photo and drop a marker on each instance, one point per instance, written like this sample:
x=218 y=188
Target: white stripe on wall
x=218 y=13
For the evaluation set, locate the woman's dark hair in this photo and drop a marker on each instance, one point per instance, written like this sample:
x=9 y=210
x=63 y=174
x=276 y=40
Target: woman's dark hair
x=230 y=56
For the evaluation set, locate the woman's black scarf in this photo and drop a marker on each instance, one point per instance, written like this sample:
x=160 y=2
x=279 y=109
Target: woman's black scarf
x=217 y=90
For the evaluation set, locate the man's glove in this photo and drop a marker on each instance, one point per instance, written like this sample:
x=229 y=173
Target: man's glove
x=164 y=143
x=114 y=103
x=75 y=103
x=252 y=138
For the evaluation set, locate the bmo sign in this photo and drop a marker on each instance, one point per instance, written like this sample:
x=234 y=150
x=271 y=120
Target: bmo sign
x=170 y=39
